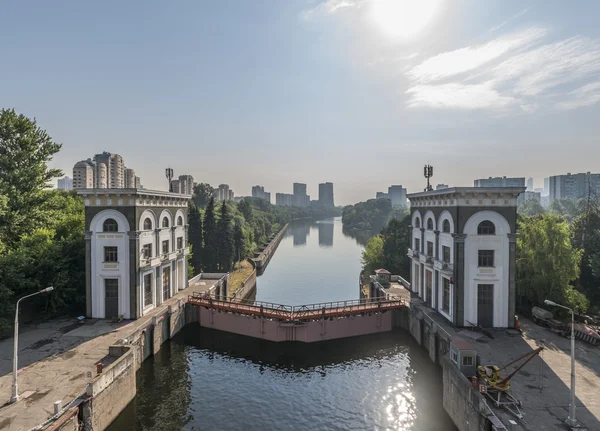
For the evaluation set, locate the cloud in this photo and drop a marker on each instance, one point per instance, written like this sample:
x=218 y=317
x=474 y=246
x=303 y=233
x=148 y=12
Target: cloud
x=470 y=58
x=456 y=95
x=512 y=18
x=329 y=7
x=584 y=96
x=512 y=70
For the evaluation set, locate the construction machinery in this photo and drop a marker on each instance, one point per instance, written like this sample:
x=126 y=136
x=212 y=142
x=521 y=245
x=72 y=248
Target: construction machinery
x=497 y=387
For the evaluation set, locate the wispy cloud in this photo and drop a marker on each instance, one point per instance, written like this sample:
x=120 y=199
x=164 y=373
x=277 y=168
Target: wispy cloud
x=329 y=7
x=455 y=95
x=512 y=70
x=463 y=60
x=512 y=18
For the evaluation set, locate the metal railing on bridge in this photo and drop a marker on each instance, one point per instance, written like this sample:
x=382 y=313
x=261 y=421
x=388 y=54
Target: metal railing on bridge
x=297 y=312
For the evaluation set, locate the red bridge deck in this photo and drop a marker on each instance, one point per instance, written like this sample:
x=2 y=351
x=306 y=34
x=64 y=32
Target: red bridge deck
x=298 y=312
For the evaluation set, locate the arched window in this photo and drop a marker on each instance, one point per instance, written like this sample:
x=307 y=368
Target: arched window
x=446 y=226
x=417 y=222
x=179 y=221
x=486 y=227
x=429 y=224
x=110 y=225
x=147 y=224
x=165 y=222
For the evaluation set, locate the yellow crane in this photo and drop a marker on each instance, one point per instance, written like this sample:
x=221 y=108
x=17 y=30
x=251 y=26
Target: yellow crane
x=490 y=374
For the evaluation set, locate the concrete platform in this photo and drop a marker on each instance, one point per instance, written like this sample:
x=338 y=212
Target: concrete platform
x=59 y=359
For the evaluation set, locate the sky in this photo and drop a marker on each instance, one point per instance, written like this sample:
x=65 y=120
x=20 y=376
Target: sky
x=361 y=93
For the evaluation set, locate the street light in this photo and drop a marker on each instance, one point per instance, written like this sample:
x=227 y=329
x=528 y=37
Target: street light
x=15 y=391
x=571 y=420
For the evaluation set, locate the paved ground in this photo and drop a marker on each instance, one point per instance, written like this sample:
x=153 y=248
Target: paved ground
x=66 y=353
x=543 y=385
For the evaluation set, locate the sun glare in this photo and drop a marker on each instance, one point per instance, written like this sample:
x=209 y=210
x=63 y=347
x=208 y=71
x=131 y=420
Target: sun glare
x=403 y=19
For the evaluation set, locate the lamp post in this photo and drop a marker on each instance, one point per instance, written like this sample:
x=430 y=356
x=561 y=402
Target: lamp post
x=15 y=390
x=571 y=419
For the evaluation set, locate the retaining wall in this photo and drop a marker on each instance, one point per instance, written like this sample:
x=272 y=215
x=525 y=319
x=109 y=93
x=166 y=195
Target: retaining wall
x=248 y=286
x=263 y=258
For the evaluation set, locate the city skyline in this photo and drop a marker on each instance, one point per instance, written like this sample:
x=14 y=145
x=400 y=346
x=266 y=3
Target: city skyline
x=315 y=90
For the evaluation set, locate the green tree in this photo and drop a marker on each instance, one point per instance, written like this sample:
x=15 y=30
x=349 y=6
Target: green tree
x=586 y=236
x=195 y=237
x=371 y=215
x=203 y=193
x=372 y=255
x=238 y=240
x=546 y=261
x=567 y=208
x=396 y=239
x=245 y=207
x=209 y=251
x=25 y=150
x=225 y=240
x=530 y=207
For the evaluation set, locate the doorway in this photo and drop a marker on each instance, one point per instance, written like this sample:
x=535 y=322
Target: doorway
x=485 y=305
x=166 y=283
x=111 y=298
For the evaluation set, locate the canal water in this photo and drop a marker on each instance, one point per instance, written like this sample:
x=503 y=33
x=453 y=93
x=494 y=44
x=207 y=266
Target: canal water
x=209 y=380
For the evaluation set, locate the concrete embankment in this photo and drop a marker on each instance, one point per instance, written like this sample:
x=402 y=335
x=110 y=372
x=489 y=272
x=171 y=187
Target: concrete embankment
x=248 y=286
x=263 y=256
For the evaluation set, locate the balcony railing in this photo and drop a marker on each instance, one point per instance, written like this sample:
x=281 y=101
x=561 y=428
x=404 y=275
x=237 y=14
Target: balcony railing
x=446 y=267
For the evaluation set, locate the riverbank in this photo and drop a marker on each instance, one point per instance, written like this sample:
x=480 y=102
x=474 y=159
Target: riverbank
x=263 y=256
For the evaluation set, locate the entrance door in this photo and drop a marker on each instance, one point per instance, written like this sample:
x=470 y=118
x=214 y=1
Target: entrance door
x=111 y=298
x=485 y=305
x=166 y=283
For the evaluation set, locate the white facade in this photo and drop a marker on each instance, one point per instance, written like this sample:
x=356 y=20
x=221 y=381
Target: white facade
x=65 y=183
x=463 y=246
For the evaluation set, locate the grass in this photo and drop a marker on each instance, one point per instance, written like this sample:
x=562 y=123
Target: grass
x=240 y=273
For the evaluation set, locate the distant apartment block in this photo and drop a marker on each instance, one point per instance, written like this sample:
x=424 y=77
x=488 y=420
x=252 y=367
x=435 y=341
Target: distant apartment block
x=300 y=198
x=326 y=194
x=224 y=193
x=527 y=195
x=184 y=185
x=500 y=182
x=65 y=183
x=283 y=199
x=106 y=170
x=546 y=187
x=530 y=184
x=259 y=192
x=397 y=194
x=574 y=186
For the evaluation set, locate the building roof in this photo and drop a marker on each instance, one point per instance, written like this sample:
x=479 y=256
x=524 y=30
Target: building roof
x=382 y=271
x=462 y=344
x=466 y=190
x=132 y=192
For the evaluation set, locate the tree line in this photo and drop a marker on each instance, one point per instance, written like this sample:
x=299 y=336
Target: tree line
x=372 y=215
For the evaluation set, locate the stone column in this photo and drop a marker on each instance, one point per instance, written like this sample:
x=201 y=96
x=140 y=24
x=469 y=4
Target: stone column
x=512 y=277
x=436 y=252
x=459 y=279
x=88 y=273
x=436 y=290
x=135 y=295
x=422 y=240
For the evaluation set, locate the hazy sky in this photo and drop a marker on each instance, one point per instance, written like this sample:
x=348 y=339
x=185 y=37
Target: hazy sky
x=361 y=93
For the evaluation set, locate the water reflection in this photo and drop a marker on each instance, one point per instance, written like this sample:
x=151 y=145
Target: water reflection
x=325 y=233
x=300 y=229
x=360 y=236
x=237 y=383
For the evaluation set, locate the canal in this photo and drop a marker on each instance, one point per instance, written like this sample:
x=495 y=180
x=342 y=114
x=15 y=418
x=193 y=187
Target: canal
x=209 y=380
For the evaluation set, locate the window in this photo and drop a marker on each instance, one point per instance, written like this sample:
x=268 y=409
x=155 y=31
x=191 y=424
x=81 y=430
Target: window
x=429 y=224
x=165 y=222
x=147 y=289
x=147 y=224
x=417 y=222
x=179 y=243
x=429 y=248
x=165 y=247
x=111 y=254
x=445 y=295
x=446 y=226
x=147 y=251
x=445 y=254
x=111 y=287
x=179 y=221
x=417 y=244
x=454 y=356
x=467 y=361
x=110 y=225
x=486 y=227
x=486 y=258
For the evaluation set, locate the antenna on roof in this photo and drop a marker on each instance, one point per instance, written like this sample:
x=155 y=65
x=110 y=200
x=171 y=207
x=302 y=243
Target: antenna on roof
x=428 y=173
x=169 y=175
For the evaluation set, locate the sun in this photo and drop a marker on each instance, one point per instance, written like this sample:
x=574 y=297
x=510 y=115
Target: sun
x=403 y=19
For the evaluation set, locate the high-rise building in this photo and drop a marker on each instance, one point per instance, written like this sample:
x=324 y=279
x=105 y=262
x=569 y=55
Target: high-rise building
x=397 y=194
x=115 y=168
x=101 y=176
x=326 y=194
x=527 y=195
x=546 y=187
x=83 y=175
x=138 y=183
x=382 y=195
x=530 y=184
x=574 y=186
x=283 y=199
x=129 y=178
x=186 y=184
x=259 y=192
x=175 y=186
x=224 y=193
x=65 y=183
x=300 y=199
x=500 y=182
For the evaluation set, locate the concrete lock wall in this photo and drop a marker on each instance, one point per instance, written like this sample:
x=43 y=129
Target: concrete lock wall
x=262 y=258
x=248 y=286
x=110 y=392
